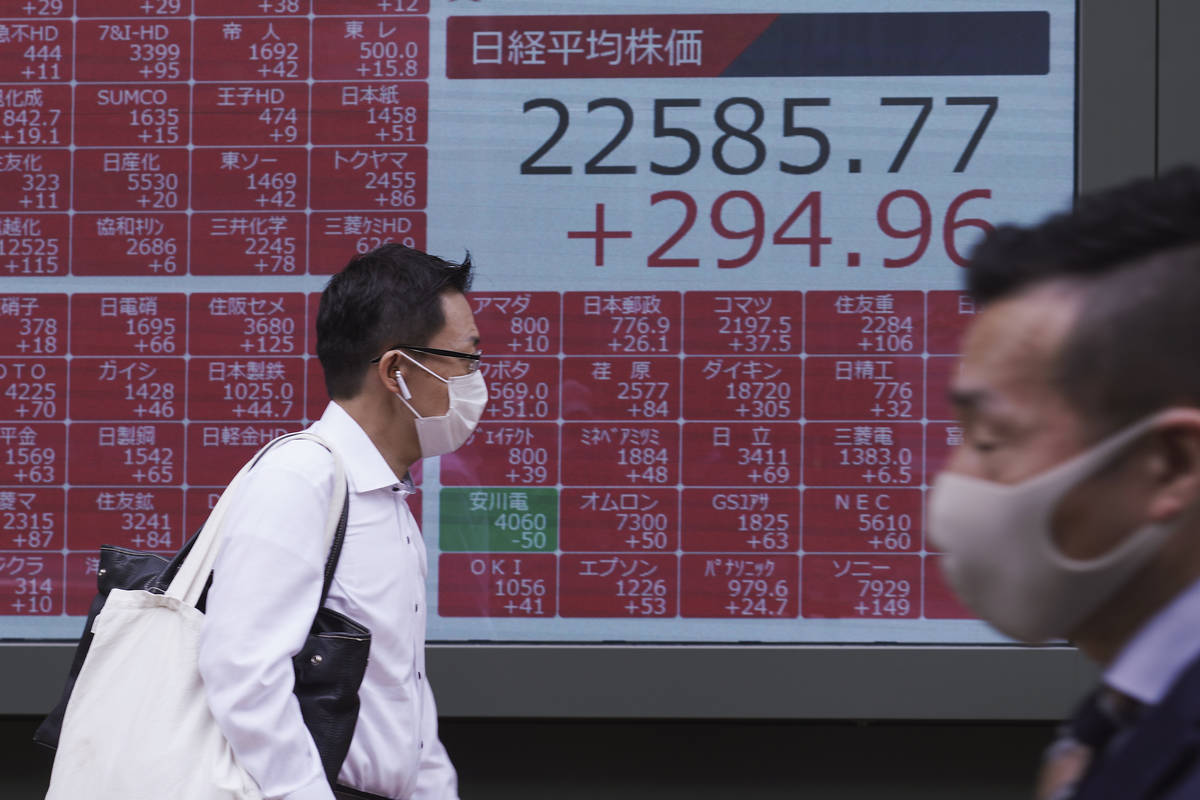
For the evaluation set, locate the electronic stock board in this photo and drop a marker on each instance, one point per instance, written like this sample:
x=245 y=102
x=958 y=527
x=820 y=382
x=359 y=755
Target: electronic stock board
x=719 y=250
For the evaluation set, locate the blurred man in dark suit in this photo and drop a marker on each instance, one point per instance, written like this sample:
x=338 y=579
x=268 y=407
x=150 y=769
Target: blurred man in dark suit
x=1072 y=508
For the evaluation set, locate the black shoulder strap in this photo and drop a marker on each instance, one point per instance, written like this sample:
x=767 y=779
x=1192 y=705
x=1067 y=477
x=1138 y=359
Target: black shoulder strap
x=335 y=549
x=339 y=534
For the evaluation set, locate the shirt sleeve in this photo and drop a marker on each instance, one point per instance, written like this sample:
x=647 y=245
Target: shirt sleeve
x=265 y=592
x=436 y=778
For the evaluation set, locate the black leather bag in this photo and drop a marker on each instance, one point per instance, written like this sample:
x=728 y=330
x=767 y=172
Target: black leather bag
x=329 y=669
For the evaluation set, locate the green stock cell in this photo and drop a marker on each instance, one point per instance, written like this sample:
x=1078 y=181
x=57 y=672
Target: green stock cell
x=498 y=520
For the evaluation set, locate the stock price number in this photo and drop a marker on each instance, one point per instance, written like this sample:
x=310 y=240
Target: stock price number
x=276 y=254
x=28 y=255
x=527 y=531
x=268 y=334
x=33 y=595
x=33 y=530
x=365 y=244
x=739 y=215
x=45 y=61
x=525 y=595
x=397 y=188
x=39 y=336
x=160 y=60
x=40 y=191
x=259 y=399
x=760 y=399
x=155 y=190
x=639 y=334
x=283 y=122
x=757 y=597
x=738 y=149
x=34 y=400
x=389 y=59
x=279 y=59
x=646 y=464
x=528 y=465
x=893 y=399
x=276 y=189
x=531 y=334
x=886 y=333
x=154 y=464
x=33 y=464
x=756 y=333
x=155 y=399
x=147 y=529
x=31 y=126
x=879 y=465
x=155 y=334
x=884 y=597
x=279 y=6
x=161 y=7
x=647 y=529
x=397 y=124
x=162 y=249
x=889 y=531
x=768 y=530
x=647 y=399
x=519 y=400
x=769 y=465
x=43 y=8
x=157 y=125
x=648 y=596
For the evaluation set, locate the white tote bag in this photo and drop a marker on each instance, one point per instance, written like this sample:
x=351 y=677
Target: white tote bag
x=137 y=726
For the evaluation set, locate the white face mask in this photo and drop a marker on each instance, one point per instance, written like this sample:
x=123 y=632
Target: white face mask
x=446 y=433
x=1000 y=556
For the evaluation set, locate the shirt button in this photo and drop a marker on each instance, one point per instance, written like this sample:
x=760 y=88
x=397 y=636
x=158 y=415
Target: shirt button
x=416 y=606
x=422 y=747
x=395 y=488
x=418 y=676
x=408 y=539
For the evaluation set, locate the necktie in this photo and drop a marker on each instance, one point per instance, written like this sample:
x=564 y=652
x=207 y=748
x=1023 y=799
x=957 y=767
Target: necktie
x=1083 y=740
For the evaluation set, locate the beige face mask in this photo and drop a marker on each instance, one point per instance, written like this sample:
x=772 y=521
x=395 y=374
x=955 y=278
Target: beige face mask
x=1000 y=556
x=448 y=432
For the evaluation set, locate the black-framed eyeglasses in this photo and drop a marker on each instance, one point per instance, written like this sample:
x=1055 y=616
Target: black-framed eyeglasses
x=472 y=357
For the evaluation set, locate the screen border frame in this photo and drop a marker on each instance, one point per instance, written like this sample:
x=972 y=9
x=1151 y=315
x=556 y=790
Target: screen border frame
x=1116 y=137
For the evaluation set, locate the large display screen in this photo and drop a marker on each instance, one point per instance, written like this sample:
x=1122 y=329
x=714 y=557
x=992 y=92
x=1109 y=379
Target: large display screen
x=719 y=251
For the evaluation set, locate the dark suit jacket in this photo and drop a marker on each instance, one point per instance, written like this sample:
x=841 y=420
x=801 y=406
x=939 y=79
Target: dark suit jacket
x=1159 y=757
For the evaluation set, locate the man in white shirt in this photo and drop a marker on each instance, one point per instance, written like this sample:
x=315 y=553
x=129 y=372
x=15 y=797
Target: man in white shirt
x=400 y=351
x=1072 y=508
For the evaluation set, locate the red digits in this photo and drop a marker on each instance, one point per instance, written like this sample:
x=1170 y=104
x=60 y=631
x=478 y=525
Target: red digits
x=656 y=258
x=951 y=225
x=921 y=232
x=812 y=204
x=754 y=232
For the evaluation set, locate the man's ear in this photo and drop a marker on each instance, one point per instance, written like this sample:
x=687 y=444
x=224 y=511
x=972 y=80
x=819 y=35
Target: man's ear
x=390 y=372
x=1175 y=464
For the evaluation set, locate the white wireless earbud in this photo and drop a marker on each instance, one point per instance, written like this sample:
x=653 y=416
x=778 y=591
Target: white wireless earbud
x=404 y=390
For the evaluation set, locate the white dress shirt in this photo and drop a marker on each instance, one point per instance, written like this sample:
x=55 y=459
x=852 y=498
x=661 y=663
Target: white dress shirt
x=266 y=588
x=1160 y=651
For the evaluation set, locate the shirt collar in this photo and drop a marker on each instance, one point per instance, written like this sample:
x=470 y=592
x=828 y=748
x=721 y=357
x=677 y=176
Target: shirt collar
x=1158 y=653
x=366 y=469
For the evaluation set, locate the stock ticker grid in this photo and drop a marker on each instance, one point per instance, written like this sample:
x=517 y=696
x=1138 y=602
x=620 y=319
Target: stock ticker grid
x=718 y=297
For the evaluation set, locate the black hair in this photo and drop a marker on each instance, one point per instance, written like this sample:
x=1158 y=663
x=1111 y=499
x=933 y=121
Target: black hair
x=1104 y=231
x=383 y=298
x=1132 y=256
